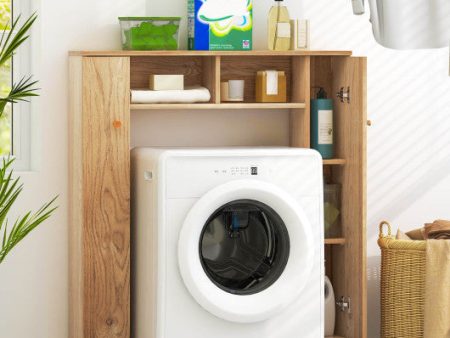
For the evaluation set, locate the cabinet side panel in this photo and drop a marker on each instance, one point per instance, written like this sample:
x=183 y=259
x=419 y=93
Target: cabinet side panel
x=106 y=197
x=300 y=118
x=75 y=199
x=350 y=128
x=211 y=76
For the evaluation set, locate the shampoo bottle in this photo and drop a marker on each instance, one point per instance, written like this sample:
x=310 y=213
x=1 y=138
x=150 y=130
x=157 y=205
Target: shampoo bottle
x=322 y=124
x=279 y=26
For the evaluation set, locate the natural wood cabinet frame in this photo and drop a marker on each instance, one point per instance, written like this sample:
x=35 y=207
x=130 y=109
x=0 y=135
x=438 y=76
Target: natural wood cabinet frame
x=100 y=83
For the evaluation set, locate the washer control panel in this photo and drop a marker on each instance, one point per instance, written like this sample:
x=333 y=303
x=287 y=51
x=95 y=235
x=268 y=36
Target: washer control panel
x=237 y=171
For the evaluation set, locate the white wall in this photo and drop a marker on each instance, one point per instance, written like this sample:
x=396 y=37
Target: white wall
x=409 y=142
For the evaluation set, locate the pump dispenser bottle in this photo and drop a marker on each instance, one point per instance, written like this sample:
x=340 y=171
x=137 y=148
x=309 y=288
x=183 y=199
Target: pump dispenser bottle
x=279 y=37
x=322 y=124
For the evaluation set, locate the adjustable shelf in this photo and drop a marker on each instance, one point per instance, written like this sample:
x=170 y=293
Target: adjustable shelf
x=334 y=241
x=213 y=106
x=335 y=161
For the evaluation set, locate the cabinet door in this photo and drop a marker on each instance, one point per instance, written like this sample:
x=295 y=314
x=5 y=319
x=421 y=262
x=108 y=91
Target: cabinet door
x=349 y=261
x=100 y=227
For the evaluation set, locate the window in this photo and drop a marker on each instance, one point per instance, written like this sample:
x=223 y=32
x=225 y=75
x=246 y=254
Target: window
x=5 y=85
x=15 y=122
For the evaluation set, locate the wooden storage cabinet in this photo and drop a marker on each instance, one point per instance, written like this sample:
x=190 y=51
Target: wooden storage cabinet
x=100 y=84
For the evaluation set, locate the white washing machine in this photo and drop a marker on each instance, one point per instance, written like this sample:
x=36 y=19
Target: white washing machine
x=227 y=243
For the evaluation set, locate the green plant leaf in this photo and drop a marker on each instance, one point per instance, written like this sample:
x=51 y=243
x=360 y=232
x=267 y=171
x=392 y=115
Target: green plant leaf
x=21 y=91
x=10 y=189
x=10 y=41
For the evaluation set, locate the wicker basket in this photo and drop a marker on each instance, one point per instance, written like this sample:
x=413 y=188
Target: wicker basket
x=402 y=286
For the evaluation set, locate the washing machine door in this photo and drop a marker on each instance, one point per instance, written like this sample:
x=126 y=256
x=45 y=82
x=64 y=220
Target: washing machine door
x=245 y=251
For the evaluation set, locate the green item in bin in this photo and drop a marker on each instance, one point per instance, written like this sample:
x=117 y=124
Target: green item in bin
x=148 y=36
x=150 y=33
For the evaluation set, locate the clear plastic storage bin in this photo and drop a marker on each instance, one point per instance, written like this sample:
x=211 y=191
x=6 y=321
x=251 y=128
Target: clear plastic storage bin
x=150 y=33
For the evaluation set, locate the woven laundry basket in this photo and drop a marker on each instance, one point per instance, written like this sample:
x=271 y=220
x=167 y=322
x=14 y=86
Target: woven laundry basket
x=402 y=286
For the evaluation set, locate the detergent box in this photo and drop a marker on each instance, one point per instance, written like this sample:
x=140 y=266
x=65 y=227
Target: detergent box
x=220 y=24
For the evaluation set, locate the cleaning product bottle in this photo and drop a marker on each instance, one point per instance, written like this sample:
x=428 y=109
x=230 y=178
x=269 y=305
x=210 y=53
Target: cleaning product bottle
x=322 y=124
x=279 y=26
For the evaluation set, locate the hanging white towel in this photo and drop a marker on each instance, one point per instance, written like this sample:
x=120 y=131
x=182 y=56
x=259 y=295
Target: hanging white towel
x=188 y=95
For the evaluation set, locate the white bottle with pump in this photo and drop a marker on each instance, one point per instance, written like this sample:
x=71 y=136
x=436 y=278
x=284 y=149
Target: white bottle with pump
x=279 y=27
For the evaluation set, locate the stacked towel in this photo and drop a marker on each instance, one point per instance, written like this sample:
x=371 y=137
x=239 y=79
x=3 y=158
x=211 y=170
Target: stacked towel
x=188 y=95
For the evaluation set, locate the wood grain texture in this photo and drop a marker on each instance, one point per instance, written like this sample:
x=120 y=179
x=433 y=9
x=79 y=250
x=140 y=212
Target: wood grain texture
x=300 y=120
x=76 y=323
x=211 y=77
x=240 y=68
x=129 y=53
x=350 y=128
x=106 y=197
x=212 y=106
x=321 y=75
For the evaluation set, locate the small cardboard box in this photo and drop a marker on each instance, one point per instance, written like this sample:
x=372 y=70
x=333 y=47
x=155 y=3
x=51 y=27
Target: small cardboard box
x=270 y=89
x=220 y=24
x=166 y=82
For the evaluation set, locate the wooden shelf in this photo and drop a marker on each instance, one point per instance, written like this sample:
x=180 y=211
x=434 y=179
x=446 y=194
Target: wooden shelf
x=203 y=106
x=334 y=337
x=211 y=53
x=334 y=241
x=335 y=161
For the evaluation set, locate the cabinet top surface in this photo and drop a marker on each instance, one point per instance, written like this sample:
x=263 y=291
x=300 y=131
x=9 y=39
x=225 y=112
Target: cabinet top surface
x=305 y=52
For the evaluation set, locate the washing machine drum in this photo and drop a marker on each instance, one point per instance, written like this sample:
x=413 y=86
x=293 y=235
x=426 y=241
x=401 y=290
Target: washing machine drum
x=244 y=247
x=245 y=251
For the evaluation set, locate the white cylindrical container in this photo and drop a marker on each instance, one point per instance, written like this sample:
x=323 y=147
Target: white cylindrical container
x=236 y=90
x=330 y=309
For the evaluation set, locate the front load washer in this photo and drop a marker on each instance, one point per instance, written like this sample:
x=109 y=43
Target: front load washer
x=227 y=243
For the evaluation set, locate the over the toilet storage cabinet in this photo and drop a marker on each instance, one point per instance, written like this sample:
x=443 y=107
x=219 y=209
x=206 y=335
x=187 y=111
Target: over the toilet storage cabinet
x=100 y=84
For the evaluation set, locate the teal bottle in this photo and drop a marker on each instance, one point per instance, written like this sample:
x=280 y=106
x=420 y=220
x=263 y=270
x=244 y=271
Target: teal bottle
x=322 y=136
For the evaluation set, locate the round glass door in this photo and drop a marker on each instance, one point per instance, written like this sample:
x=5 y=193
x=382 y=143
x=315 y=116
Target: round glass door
x=236 y=250
x=244 y=247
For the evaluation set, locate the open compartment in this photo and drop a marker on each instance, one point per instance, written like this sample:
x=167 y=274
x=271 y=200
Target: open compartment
x=246 y=67
x=197 y=71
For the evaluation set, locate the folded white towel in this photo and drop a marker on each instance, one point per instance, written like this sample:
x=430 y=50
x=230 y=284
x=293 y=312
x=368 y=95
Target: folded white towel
x=188 y=95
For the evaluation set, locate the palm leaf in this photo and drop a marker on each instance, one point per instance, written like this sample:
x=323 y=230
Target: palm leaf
x=20 y=92
x=11 y=41
x=10 y=189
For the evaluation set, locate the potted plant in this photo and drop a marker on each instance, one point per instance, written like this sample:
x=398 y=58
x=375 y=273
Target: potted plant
x=10 y=187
